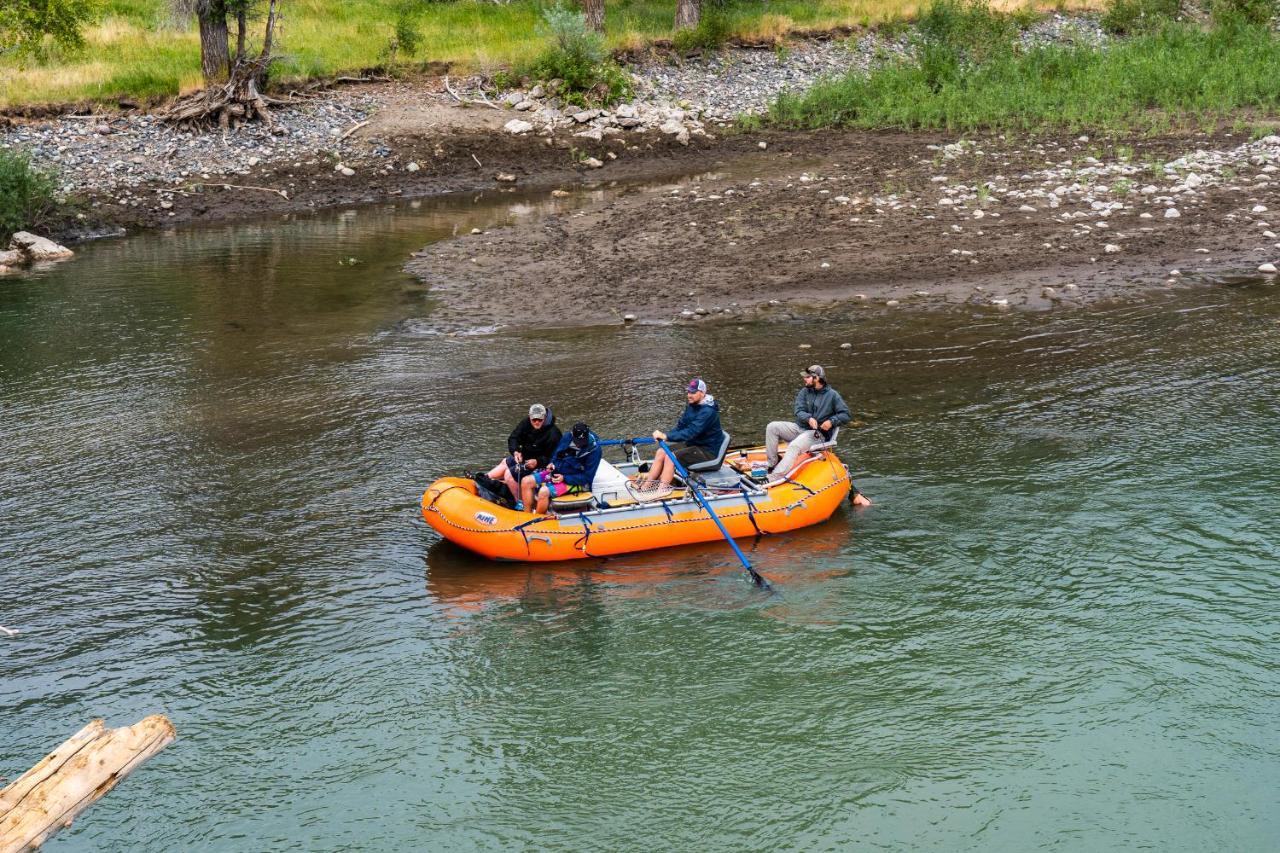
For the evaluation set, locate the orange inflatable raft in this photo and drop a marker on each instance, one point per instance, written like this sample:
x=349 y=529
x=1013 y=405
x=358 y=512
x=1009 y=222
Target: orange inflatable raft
x=612 y=522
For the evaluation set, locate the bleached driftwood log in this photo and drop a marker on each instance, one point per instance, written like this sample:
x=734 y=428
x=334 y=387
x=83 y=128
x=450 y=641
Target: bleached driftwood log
x=71 y=778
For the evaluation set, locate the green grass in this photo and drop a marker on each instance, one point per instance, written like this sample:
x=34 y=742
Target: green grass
x=1177 y=75
x=137 y=49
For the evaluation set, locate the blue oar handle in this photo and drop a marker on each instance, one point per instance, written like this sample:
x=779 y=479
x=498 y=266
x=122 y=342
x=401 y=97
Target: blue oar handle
x=688 y=481
x=613 y=442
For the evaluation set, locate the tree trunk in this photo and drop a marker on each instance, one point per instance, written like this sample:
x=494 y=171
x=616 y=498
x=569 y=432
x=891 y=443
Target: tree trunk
x=688 y=13
x=215 y=53
x=72 y=777
x=242 y=24
x=594 y=10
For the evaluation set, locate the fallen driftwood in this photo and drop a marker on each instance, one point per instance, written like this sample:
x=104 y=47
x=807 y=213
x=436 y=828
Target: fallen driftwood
x=284 y=195
x=71 y=778
x=483 y=101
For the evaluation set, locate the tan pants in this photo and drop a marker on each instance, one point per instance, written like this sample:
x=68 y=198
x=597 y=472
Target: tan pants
x=798 y=439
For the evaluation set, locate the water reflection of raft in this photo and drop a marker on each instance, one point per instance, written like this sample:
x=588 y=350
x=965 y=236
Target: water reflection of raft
x=619 y=525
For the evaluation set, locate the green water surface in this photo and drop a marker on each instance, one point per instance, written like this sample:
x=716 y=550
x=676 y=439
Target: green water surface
x=1056 y=629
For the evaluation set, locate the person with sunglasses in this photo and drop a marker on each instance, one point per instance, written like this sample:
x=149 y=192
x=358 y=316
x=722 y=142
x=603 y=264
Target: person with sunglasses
x=819 y=411
x=529 y=448
x=698 y=430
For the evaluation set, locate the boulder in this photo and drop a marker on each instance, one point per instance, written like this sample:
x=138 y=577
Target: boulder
x=517 y=126
x=593 y=133
x=584 y=116
x=513 y=98
x=537 y=91
x=675 y=128
x=11 y=258
x=36 y=248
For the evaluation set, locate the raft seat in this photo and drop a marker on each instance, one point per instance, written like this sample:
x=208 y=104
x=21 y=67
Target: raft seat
x=712 y=464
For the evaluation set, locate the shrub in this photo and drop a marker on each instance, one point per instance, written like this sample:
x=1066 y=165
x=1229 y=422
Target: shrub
x=578 y=58
x=1258 y=13
x=712 y=32
x=406 y=34
x=1129 y=17
x=26 y=194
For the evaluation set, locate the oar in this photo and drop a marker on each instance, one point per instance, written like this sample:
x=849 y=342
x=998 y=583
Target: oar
x=688 y=481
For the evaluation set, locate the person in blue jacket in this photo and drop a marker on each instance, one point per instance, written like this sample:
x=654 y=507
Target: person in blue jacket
x=572 y=468
x=698 y=430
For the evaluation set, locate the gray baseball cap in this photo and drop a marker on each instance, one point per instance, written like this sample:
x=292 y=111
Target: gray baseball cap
x=816 y=371
x=537 y=410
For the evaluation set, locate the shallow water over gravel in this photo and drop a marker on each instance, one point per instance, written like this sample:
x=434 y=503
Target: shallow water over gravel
x=1056 y=628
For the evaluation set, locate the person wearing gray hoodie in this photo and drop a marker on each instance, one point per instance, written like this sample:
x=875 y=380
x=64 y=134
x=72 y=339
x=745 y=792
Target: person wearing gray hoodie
x=819 y=411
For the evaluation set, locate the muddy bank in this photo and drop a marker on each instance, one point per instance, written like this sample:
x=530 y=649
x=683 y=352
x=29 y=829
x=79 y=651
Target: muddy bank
x=868 y=220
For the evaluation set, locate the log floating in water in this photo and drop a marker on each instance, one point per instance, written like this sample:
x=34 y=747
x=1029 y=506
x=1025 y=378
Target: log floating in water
x=71 y=778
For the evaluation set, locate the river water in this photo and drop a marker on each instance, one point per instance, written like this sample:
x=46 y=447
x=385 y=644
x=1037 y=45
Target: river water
x=1056 y=628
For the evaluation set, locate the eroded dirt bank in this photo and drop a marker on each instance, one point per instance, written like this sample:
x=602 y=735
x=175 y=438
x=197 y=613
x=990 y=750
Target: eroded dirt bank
x=888 y=220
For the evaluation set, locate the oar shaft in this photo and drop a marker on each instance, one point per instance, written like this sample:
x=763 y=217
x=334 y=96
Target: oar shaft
x=697 y=494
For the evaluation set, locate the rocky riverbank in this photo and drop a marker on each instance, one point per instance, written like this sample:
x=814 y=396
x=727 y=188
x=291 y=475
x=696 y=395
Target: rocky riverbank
x=361 y=142
x=772 y=224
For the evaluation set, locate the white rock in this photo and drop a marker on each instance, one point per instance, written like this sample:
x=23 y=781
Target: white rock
x=628 y=318
x=1111 y=248
x=1270 y=235
x=762 y=145
x=824 y=265
x=1259 y=208
x=584 y=116
x=11 y=258
x=512 y=98
x=592 y=163
x=592 y=133
x=346 y=171
x=412 y=167
x=1026 y=208
x=1149 y=189
x=1171 y=213
x=1269 y=269
x=1193 y=180
x=525 y=106
x=893 y=303
x=38 y=248
x=846 y=346
x=504 y=178
x=517 y=126
x=625 y=111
